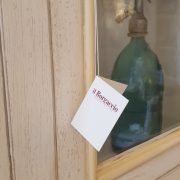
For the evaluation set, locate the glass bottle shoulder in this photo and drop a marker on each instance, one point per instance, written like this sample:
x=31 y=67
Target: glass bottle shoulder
x=138 y=57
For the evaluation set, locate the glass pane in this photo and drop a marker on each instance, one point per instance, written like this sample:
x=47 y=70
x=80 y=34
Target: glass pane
x=154 y=91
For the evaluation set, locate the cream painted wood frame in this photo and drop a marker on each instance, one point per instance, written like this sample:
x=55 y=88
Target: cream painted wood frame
x=125 y=162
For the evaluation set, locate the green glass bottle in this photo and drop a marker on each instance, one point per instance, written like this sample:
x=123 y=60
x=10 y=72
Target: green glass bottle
x=138 y=66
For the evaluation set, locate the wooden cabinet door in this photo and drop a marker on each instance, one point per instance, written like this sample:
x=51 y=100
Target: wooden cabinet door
x=47 y=63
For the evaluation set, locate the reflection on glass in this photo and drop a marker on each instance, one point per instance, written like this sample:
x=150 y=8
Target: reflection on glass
x=164 y=38
x=138 y=66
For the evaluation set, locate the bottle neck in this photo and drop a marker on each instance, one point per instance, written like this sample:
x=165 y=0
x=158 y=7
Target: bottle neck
x=138 y=22
x=138 y=41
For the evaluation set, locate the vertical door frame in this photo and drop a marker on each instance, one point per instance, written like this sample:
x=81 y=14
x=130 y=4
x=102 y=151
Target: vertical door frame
x=89 y=72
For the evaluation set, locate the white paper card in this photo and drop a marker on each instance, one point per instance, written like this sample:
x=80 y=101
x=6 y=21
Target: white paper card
x=99 y=111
